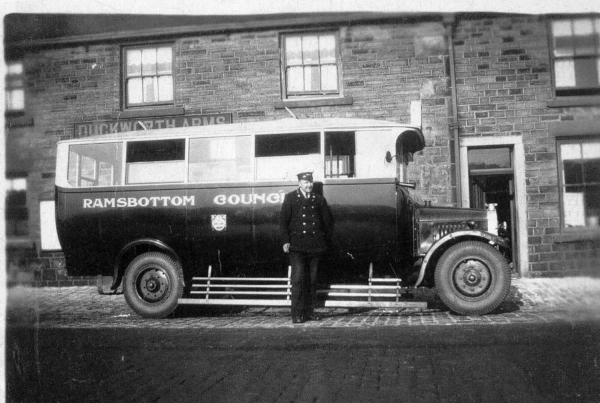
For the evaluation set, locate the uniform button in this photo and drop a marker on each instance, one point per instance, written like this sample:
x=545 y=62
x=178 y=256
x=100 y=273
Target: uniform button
x=304 y=215
x=303 y=223
x=304 y=232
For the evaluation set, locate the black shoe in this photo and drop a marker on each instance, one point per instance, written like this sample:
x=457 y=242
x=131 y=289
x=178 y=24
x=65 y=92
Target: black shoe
x=297 y=320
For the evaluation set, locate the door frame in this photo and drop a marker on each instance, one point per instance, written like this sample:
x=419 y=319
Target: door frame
x=520 y=187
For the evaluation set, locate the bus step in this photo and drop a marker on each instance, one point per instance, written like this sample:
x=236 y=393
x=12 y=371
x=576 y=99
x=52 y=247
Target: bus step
x=277 y=292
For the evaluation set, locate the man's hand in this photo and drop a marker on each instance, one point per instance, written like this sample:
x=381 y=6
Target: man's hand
x=286 y=247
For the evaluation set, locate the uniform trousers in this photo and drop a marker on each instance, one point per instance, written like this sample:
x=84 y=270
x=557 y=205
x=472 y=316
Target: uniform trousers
x=304 y=283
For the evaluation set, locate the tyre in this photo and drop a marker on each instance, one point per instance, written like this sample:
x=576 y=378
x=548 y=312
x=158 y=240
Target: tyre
x=153 y=285
x=472 y=278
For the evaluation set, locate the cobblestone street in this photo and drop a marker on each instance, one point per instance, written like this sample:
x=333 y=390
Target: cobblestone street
x=73 y=345
x=529 y=301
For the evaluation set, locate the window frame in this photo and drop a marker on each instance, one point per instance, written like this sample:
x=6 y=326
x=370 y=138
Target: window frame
x=174 y=167
x=16 y=201
x=126 y=105
x=307 y=95
x=571 y=99
x=14 y=82
x=561 y=185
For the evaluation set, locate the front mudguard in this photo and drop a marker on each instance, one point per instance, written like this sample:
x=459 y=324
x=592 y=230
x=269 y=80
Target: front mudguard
x=451 y=239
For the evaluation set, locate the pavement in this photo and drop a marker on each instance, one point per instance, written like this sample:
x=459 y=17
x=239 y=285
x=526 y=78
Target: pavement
x=530 y=300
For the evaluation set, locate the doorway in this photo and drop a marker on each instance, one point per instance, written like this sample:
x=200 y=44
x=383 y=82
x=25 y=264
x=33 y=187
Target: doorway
x=491 y=175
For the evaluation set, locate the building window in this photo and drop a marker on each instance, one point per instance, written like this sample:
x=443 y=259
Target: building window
x=148 y=76
x=17 y=214
x=579 y=165
x=311 y=65
x=15 y=88
x=576 y=56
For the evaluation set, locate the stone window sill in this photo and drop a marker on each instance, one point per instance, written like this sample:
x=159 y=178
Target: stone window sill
x=581 y=235
x=308 y=103
x=573 y=101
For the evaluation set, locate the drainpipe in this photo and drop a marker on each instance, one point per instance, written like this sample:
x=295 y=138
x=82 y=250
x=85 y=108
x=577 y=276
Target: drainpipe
x=450 y=25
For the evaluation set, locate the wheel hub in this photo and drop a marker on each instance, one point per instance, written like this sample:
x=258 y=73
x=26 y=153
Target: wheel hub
x=153 y=285
x=472 y=278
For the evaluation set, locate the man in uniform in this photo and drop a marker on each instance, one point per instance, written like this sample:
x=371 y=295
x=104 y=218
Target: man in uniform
x=306 y=226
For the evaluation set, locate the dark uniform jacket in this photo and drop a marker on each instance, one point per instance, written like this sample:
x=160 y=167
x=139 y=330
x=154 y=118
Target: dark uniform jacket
x=306 y=224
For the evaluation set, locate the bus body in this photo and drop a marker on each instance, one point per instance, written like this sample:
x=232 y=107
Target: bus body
x=157 y=209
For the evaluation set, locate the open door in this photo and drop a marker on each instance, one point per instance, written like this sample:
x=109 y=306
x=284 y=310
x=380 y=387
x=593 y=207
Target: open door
x=491 y=181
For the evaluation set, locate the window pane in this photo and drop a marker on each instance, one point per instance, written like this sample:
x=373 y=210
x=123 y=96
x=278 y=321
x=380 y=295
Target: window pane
x=134 y=90
x=562 y=28
x=563 y=38
x=573 y=172
x=164 y=58
x=312 y=78
x=310 y=49
x=584 y=37
x=88 y=167
x=295 y=79
x=82 y=164
x=158 y=150
x=14 y=69
x=574 y=209
x=570 y=151
x=148 y=61
x=150 y=89
x=591 y=170
x=134 y=62
x=597 y=30
x=220 y=159
x=165 y=88
x=591 y=150
x=271 y=145
x=327 y=49
x=565 y=73
x=592 y=205
x=329 y=78
x=15 y=100
x=105 y=174
x=293 y=50
x=489 y=158
x=17 y=184
x=586 y=74
x=156 y=172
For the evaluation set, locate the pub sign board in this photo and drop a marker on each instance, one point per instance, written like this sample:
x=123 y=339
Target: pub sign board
x=127 y=125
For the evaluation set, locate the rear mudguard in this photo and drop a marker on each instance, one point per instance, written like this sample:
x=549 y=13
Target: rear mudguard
x=154 y=243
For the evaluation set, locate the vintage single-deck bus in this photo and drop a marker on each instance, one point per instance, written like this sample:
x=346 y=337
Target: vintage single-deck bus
x=190 y=215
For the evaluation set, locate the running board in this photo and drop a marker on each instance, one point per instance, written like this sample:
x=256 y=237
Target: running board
x=277 y=292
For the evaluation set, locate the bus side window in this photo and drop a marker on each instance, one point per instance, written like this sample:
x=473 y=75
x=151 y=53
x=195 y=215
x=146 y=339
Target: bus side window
x=282 y=156
x=95 y=164
x=156 y=161
x=339 y=154
x=220 y=159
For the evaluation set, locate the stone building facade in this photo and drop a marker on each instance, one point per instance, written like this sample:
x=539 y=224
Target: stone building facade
x=484 y=83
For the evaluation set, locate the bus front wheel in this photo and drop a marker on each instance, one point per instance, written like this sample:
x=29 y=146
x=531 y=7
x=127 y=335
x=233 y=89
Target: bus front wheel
x=472 y=278
x=153 y=285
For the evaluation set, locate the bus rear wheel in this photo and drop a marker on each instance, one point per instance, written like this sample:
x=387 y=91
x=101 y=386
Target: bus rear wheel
x=153 y=285
x=472 y=278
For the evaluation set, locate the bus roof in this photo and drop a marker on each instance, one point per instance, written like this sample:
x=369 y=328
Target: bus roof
x=270 y=127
